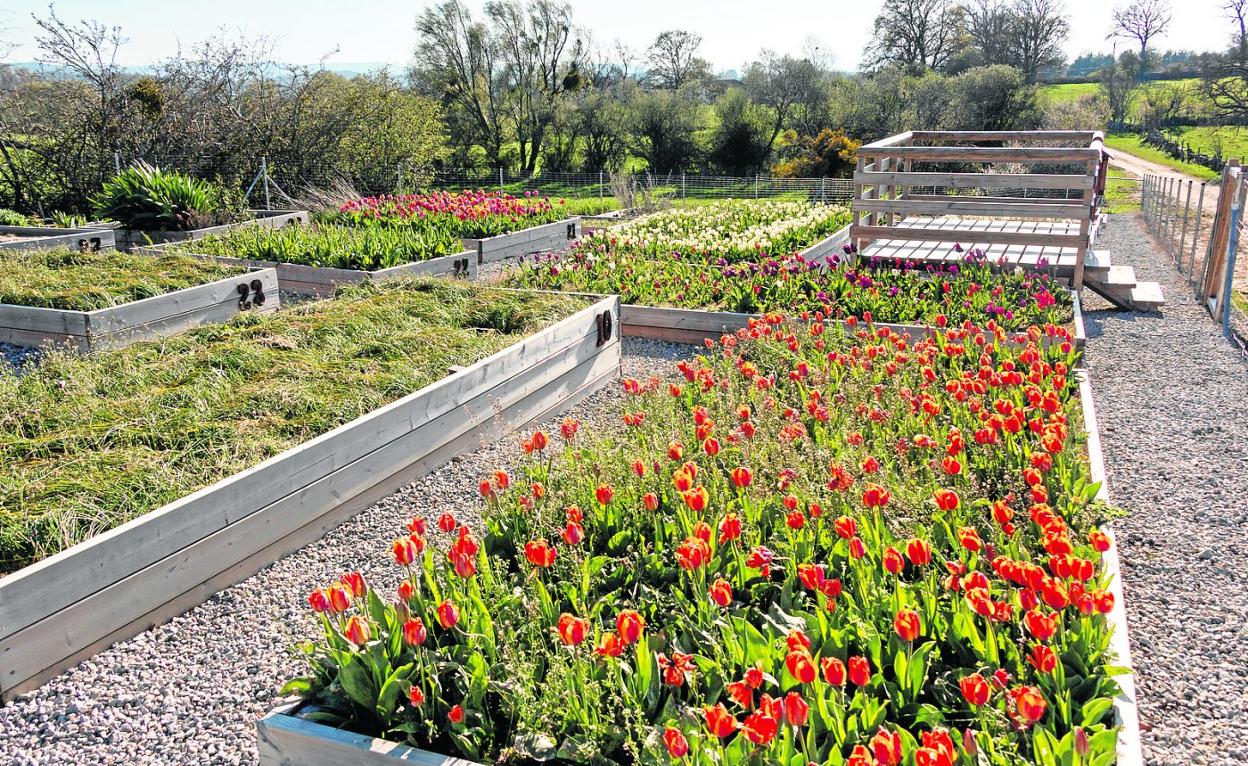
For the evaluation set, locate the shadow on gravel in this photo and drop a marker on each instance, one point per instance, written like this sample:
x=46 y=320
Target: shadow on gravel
x=1094 y=321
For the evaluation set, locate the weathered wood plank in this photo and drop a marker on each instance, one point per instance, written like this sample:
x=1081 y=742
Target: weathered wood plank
x=967 y=237
x=972 y=206
x=64 y=578
x=36 y=319
x=284 y=740
x=168 y=306
x=550 y=236
x=1072 y=137
x=829 y=245
x=45 y=237
x=979 y=180
x=1034 y=154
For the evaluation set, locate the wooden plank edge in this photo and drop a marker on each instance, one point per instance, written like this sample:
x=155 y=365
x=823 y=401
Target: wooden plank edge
x=160 y=308
x=1126 y=711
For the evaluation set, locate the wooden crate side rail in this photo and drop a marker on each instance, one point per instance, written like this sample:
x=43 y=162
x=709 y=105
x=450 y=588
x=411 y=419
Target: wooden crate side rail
x=973 y=206
x=989 y=154
x=283 y=739
x=88 y=240
x=549 y=236
x=30 y=594
x=966 y=236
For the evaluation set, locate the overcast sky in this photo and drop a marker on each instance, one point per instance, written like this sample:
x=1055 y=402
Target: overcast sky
x=381 y=31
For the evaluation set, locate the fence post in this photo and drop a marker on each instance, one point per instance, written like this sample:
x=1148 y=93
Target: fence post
x=1187 y=209
x=264 y=171
x=682 y=186
x=398 y=187
x=756 y=186
x=500 y=179
x=117 y=162
x=1228 y=281
x=1200 y=219
x=823 y=197
x=600 y=188
x=1146 y=195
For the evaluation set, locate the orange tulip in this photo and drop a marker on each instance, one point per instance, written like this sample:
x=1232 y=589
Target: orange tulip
x=719 y=722
x=629 y=624
x=414 y=633
x=675 y=742
x=907 y=625
x=946 y=499
x=356 y=630
x=800 y=665
x=833 y=671
x=572 y=629
x=742 y=477
x=975 y=689
x=721 y=592
x=448 y=614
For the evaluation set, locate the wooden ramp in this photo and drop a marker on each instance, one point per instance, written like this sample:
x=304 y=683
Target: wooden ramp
x=915 y=201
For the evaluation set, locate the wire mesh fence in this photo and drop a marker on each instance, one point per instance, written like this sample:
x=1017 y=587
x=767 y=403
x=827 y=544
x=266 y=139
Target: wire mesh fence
x=1201 y=226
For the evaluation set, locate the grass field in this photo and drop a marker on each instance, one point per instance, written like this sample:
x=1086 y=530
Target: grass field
x=1229 y=140
x=1195 y=106
x=1122 y=194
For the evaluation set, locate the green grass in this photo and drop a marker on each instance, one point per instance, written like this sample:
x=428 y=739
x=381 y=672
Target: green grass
x=1122 y=195
x=64 y=279
x=1232 y=139
x=1195 y=104
x=87 y=443
x=1134 y=144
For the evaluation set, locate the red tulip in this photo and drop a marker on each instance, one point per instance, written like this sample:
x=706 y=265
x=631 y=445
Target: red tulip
x=572 y=629
x=693 y=553
x=1099 y=540
x=568 y=428
x=539 y=553
x=796 y=709
x=675 y=450
x=1042 y=658
x=1027 y=705
x=857 y=549
x=860 y=756
x=801 y=666
x=354 y=581
x=875 y=496
x=975 y=689
x=609 y=645
x=677 y=745
x=893 y=562
x=936 y=750
x=833 y=671
x=742 y=477
x=650 y=501
x=729 y=528
x=719 y=722
x=760 y=728
x=969 y=539
x=919 y=551
x=603 y=494
x=696 y=498
x=573 y=534
x=448 y=614
x=339 y=598
x=1040 y=625
x=845 y=527
x=447 y=523
x=946 y=499
x=907 y=625
x=629 y=624
x=415 y=696
x=502 y=480
x=414 y=633
x=711 y=446
x=319 y=601
x=356 y=630
x=456 y=714
x=539 y=440
x=887 y=747
x=859 y=671
x=721 y=592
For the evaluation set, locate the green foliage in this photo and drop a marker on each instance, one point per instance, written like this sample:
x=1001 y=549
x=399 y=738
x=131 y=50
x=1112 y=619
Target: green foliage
x=14 y=218
x=145 y=198
x=739 y=141
x=87 y=443
x=831 y=154
x=66 y=279
x=366 y=246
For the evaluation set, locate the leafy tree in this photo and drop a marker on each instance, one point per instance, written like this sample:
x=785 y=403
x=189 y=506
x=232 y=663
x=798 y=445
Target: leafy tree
x=1224 y=80
x=740 y=143
x=793 y=91
x=662 y=129
x=830 y=154
x=1119 y=85
x=674 y=62
x=991 y=98
x=917 y=34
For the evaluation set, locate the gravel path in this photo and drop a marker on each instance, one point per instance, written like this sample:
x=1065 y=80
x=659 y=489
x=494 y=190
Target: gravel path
x=189 y=691
x=15 y=356
x=1172 y=401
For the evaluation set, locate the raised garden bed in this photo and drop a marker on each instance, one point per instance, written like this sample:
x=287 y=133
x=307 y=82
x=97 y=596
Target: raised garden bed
x=67 y=606
x=537 y=643
x=538 y=239
x=267 y=219
x=95 y=301
x=83 y=239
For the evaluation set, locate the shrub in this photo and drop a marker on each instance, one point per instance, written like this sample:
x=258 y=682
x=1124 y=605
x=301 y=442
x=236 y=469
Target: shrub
x=144 y=197
x=14 y=218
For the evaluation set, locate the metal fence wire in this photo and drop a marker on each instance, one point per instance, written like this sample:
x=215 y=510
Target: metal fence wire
x=1201 y=226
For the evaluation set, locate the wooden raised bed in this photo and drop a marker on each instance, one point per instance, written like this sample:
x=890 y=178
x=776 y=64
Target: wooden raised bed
x=695 y=326
x=323 y=281
x=827 y=246
x=83 y=239
x=284 y=739
x=550 y=236
x=268 y=219
x=155 y=317
x=67 y=607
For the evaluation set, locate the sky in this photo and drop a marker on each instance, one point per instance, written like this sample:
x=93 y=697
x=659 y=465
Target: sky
x=381 y=31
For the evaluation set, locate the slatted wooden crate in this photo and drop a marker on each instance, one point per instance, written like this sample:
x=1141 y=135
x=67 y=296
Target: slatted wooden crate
x=146 y=319
x=65 y=608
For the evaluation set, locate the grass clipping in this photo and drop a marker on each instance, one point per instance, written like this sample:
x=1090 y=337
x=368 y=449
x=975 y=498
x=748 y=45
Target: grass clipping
x=72 y=281
x=89 y=443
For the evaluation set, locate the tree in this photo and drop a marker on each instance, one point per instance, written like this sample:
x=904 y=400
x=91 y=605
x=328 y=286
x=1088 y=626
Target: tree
x=789 y=88
x=1224 y=79
x=740 y=144
x=991 y=98
x=674 y=62
x=990 y=26
x=1142 y=20
x=662 y=129
x=829 y=154
x=1119 y=85
x=1039 y=30
x=917 y=34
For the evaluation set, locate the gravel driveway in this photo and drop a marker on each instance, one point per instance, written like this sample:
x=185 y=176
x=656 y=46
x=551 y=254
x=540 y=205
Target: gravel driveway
x=1172 y=401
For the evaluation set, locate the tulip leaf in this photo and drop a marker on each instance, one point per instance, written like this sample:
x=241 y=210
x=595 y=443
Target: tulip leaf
x=1044 y=747
x=357 y=683
x=301 y=686
x=1094 y=710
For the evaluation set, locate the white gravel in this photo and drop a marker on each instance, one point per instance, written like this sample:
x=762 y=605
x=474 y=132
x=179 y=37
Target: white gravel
x=16 y=356
x=190 y=691
x=1172 y=401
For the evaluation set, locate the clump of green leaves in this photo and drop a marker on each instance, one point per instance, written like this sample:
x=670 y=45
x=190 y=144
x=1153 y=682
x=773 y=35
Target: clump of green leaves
x=13 y=218
x=87 y=443
x=144 y=197
x=74 y=281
